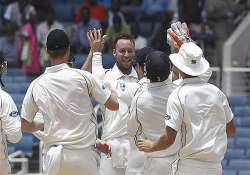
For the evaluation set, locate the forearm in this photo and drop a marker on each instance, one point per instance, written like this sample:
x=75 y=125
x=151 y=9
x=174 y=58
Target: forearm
x=97 y=67
x=87 y=66
x=162 y=143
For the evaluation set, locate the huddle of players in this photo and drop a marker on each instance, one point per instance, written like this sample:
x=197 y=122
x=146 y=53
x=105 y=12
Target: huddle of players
x=163 y=106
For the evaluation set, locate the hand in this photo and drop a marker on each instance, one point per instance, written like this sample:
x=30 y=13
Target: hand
x=39 y=126
x=103 y=147
x=96 y=40
x=145 y=145
x=177 y=35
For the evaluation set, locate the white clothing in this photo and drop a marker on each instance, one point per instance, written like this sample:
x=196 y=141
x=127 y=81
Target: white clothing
x=193 y=167
x=5 y=167
x=201 y=111
x=147 y=114
x=106 y=167
x=136 y=160
x=115 y=127
x=43 y=30
x=13 y=13
x=140 y=42
x=10 y=129
x=62 y=95
x=52 y=160
x=159 y=165
x=124 y=87
x=79 y=162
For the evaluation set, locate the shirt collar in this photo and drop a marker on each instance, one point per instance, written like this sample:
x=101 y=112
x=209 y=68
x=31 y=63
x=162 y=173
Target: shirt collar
x=154 y=84
x=191 y=80
x=56 y=68
x=118 y=74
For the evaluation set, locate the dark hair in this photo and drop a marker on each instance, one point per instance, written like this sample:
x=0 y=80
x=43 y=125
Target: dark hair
x=123 y=36
x=157 y=66
x=57 y=53
x=141 y=54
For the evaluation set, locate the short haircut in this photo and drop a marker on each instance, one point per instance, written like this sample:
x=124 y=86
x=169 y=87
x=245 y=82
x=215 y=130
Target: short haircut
x=123 y=36
x=58 y=53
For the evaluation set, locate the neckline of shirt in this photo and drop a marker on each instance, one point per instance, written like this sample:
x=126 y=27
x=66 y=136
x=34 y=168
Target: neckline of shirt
x=56 y=68
x=118 y=74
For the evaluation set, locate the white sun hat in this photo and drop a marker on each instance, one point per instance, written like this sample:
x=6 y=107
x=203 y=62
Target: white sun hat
x=190 y=59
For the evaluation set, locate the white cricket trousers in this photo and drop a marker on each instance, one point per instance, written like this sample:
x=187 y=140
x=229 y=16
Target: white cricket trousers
x=117 y=163
x=159 y=165
x=5 y=167
x=136 y=160
x=74 y=162
x=194 y=167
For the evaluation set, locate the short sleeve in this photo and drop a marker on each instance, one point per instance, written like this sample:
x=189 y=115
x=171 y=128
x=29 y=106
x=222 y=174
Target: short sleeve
x=10 y=119
x=29 y=107
x=174 y=113
x=99 y=91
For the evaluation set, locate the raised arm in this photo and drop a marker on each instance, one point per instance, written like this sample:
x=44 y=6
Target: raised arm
x=94 y=59
x=87 y=65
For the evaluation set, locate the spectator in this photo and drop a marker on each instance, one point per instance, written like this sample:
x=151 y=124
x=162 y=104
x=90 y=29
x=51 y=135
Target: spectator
x=158 y=39
x=97 y=11
x=152 y=8
x=28 y=50
x=115 y=11
x=80 y=42
x=117 y=28
x=140 y=41
x=42 y=31
x=19 y=12
x=190 y=11
x=9 y=44
x=220 y=18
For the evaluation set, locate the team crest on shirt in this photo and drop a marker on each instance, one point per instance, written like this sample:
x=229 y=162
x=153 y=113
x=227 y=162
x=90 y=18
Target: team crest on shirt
x=14 y=114
x=122 y=86
x=167 y=117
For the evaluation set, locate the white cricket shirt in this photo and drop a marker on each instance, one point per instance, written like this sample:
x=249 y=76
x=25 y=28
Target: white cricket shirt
x=10 y=123
x=62 y=95
x=147 y=113
x=200 y=111
x=124 y=86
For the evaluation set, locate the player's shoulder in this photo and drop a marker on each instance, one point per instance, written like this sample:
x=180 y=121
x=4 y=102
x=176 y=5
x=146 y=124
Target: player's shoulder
x=5 y=97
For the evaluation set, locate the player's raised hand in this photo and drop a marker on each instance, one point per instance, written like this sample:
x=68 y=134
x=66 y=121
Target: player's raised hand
x=96 y=40
x=178 y=34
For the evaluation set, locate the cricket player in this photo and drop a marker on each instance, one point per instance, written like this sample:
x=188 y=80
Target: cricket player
x=200 y=112
x=10 y=123
x=63 y=97
x=122 y=79
x=147 y=112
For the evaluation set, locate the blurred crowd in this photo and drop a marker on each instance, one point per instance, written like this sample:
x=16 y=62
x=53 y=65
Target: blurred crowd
x=24 y=25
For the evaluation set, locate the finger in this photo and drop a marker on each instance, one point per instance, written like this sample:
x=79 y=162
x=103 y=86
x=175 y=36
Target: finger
x=175 y=28
x=91 y=36
x=88 y=36
x=175 y=37
x=99 y=36
x=185 y=28
x=95 y=34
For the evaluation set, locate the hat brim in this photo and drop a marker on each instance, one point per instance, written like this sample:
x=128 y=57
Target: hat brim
x=199 y=69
